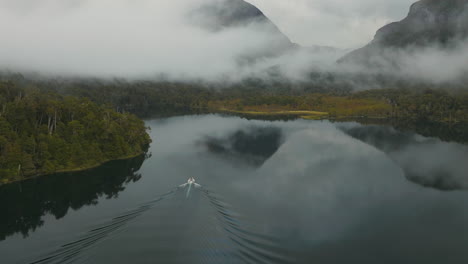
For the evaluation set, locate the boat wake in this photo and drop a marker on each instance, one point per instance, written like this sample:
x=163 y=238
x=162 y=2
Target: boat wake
x=217 y=221
x=69 y=252
x=250 y=247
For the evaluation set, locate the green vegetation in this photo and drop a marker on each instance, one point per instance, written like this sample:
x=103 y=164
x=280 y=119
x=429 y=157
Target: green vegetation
x=43 y=133
x=147 y=99
x=49 y=126
x=309 y=106
x=411 y=102
x=406 y=105
x=433 y=105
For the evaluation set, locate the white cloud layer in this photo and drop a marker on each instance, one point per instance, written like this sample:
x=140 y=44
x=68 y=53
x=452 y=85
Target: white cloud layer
x=113 y=37
x=146 y=38
x=118 y=38
x=337 y=23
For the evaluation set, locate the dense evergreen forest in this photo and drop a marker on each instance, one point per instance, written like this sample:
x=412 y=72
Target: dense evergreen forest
x=407 y=101
x=42 y=132
x=50 y=125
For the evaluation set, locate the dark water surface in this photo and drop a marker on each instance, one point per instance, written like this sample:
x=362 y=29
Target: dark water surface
x=272 y=192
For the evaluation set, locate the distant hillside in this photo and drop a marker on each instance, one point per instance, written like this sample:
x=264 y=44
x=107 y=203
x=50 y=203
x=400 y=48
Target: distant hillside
x=441 y=23
x=219 y=15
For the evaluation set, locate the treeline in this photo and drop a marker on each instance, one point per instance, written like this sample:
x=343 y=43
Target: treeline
x=154 y=98
x=417 y=105
x=433 y=105
x=411 y=101
x=42 y=132
x=144 y=99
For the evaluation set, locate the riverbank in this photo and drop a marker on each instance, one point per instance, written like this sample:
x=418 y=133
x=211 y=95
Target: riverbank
x=302 y=114
x=299 y=113
x=70 y=170
x=443 y=129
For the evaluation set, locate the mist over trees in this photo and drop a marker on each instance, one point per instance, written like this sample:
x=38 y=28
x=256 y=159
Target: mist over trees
x=430 y=44
x=219 y=41
x=68 y=105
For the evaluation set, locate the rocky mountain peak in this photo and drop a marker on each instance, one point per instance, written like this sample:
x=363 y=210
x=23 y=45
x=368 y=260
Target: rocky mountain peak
x=441 y=23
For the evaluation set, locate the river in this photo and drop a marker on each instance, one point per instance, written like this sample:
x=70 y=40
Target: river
x=271 y=192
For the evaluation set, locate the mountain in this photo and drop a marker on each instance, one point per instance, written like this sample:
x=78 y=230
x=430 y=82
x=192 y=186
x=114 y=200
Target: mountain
x=217 y=15
x=220 y=15
x=430 y=23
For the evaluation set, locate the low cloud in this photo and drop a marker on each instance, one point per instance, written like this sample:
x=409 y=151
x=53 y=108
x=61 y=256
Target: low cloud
x=143 y=39
x=432 y=63
x=122 y=38
x=337 y=23
x=436 y=64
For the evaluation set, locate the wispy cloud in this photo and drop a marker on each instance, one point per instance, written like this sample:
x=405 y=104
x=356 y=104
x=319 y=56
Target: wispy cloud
x=144 y=39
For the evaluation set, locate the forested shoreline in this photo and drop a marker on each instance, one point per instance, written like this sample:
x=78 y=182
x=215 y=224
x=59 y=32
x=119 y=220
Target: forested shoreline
x=45 y=132
x=393 y=99
x=54 y=125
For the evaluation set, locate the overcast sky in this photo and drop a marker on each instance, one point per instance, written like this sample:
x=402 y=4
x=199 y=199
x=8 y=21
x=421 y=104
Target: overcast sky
x=138 y=38
x=338 y=23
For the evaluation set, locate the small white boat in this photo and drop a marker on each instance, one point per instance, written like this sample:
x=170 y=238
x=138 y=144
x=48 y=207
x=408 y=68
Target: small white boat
x=190 y=182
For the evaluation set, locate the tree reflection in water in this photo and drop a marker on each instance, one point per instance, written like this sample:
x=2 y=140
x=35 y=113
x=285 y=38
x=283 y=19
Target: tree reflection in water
x=24 y=204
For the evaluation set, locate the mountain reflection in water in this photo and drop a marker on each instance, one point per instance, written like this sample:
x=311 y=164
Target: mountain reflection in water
x=273 y=192
x=426 y=161
x=250 y=145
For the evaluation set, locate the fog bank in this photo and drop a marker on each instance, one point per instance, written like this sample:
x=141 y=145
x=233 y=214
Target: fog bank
x=149 y=39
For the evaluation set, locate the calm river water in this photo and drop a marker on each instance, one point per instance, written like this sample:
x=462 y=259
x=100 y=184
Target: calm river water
x=271 y=192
